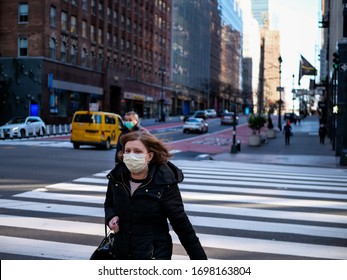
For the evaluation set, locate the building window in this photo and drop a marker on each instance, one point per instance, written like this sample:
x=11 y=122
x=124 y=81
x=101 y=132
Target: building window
x=101 y=11
x=92 y=33
x=74 y=2
x=52 y=48
x=100 y=62
x=115 y=42
x=115 y=18
x=93 y=7
x=85 y=5
x=64 y=21
x=63 y=52
x=123 y=22
x=53 y=16
x=73 y=25
x=128 y=24
x=92 y=60
x=100 y=36
x=23 y=11
x=73 y=55
x=84 y=57
x=23 y=47
x=109 y=15
x=84 y=29
x=109 y=43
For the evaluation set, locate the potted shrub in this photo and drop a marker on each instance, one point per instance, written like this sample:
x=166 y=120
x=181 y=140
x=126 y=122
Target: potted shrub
x=256 y=123
x=270 y=133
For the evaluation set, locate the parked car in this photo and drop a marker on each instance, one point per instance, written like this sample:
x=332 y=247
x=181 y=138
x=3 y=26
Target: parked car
x=293 y=118
x=228 y=118
x=223 y=112
x=195 y=125
x=211 y=113
x=24 y=126
x=197 y=114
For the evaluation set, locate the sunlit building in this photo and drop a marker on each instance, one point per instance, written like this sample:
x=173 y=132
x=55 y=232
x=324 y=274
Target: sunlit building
x=60 y=56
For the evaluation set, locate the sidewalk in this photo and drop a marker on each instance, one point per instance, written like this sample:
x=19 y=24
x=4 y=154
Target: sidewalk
x=304 y=149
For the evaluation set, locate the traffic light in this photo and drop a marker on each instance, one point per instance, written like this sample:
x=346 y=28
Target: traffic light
x=336 y=60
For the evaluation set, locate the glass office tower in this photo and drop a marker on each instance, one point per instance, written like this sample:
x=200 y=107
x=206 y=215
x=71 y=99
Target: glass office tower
x=191 y=53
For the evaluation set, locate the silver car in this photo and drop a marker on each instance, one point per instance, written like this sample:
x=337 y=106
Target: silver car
x=23 y=127
x=195 y=125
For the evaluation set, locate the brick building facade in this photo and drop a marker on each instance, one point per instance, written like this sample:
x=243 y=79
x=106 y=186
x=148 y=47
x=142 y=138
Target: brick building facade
x=60 y=56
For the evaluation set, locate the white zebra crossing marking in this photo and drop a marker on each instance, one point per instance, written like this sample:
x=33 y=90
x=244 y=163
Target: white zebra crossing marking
x=324 y=192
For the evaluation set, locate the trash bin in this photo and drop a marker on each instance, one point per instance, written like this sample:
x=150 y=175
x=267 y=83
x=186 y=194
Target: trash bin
x=343 y=157
x=238 y=145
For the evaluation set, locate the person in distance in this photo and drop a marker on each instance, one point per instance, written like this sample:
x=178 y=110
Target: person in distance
x=131 y=123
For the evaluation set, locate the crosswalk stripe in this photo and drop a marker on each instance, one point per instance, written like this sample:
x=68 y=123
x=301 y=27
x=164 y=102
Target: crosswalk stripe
x=52 y=208
x=270 y=201
x=230 y=197
x=271 y=246
x=45 y=249
x=51 y=249
x=201 y=208
x=78 y=187
x=52 y=225
x=195 y=196
x=260 y=191
x=43 y=194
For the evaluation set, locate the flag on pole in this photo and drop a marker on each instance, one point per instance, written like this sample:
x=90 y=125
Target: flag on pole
x=305 y=68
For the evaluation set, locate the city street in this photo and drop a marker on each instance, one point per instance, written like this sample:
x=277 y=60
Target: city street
x=252 y=205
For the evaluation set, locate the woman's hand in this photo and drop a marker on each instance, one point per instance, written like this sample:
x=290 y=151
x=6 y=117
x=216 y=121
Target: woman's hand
x=114 y=224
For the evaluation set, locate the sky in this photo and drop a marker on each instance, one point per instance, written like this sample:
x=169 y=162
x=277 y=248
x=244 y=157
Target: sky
x=298 y=22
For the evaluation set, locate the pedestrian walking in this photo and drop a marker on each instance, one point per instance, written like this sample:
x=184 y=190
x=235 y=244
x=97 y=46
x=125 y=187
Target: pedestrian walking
x=322 y=133
x=142 y=196
x=131 y=123
x=287 y=130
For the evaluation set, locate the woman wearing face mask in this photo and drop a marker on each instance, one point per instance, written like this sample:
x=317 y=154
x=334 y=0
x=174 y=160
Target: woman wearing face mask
x=131 y=123
x=142 y=195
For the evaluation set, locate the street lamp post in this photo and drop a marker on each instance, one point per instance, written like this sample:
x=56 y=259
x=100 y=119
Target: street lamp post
x=161 y=107
x=280 y=91
x=293 y=91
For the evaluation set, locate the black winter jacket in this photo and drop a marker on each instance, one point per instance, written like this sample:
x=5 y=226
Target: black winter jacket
x=143 y=227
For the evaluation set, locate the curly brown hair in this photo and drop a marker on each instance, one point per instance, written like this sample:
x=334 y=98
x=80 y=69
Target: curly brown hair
x=160 y=152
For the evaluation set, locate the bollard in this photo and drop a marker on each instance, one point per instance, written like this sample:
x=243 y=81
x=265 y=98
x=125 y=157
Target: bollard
x=48 y=130
x=59 y=129
x=54 y=130
x=2 y=136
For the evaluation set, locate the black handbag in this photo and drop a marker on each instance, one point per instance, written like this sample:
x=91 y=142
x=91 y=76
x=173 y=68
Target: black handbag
x=105 y=250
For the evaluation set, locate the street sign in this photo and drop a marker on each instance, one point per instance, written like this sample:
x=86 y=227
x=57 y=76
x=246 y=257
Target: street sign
x=280 y=88
x=343 y=67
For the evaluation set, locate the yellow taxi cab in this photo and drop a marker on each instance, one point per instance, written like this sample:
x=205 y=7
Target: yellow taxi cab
x=96 y=129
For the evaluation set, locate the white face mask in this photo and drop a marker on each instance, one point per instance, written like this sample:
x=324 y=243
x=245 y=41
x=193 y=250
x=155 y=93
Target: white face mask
x=135 y=162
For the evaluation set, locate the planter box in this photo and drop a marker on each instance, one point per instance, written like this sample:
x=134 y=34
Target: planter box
x=271 y=133
x=254 y=140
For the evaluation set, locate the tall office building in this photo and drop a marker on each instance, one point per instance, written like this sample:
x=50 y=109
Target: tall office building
x=269 y=76
x=260 y=10
x=190 y=54
x=226 y=55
